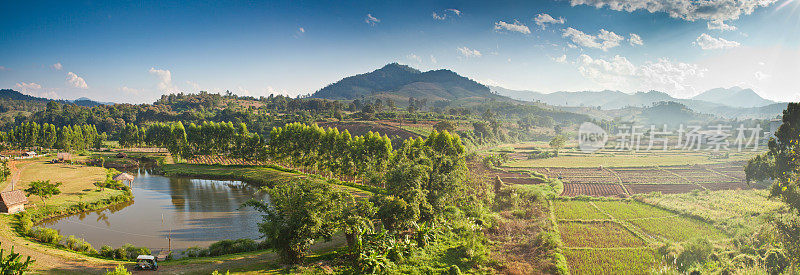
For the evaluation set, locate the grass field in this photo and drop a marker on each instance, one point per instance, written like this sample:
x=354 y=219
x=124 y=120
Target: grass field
x=732 y=210
x=611 y=261
x=602 y=234
x=678 y=229
x=625 y=210
x=77 y=181
x=577 y=210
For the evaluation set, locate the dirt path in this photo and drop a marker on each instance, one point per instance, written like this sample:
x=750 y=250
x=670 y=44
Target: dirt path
x=15 y=174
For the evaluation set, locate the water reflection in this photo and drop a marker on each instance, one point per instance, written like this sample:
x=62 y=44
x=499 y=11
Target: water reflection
x=190 y=211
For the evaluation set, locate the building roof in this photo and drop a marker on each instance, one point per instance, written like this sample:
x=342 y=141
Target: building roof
x=14 y=197
x=145 y=257
x=123 y=176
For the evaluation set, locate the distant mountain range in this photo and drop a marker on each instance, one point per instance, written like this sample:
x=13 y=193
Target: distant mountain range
x=402 y=82
x=9 y=94
x=734 y=102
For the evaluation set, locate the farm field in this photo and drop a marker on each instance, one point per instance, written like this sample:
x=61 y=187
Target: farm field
x=612 y=236
x=732 y=209
x=78 y=181
x=610 y=158
x=597 y=234
x=611 y=261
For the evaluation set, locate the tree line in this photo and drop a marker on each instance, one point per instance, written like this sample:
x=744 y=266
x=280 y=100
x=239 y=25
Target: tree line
x=74 y=137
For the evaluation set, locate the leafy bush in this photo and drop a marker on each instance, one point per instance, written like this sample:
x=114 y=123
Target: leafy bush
x=224 y=247
x=131 y=251
x=195 y=251
x=45 y=235
x=107 y=251
x=25 y=222
x=79 y=245
x=120 y=270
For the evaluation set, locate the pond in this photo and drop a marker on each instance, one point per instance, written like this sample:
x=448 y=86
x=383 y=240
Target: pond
x=185 y=212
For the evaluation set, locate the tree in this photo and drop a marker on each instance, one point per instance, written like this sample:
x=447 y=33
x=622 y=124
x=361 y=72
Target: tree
x=300 y=213
x=445 y=125
x=785 y=149
x=12 y=264
x=119 y=270
x=558 y=142
x=43 y=189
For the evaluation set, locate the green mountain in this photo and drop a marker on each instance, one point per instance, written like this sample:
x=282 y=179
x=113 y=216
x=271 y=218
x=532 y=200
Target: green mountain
x=402 y=82
x=8 y=94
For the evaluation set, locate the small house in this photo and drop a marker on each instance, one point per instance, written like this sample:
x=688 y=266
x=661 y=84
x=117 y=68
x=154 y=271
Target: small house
x=12 y=201
x=29 y=154
x=123 y=177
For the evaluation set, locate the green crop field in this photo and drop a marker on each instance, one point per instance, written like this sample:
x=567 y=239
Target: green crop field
x=678 y=229
x=733 y=209
x=577 y=210
x=625 y=210
x=610 y=261
x=603 y=234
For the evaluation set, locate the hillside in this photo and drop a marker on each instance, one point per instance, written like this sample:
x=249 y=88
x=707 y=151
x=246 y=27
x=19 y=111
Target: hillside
x=734 y=97
x=615 y=100
x=8 y=94
x=400 y=82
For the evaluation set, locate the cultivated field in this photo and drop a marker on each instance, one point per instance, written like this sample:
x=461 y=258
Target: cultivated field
x=619 y=236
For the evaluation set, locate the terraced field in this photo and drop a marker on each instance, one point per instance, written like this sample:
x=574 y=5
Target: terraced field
x=618 y=236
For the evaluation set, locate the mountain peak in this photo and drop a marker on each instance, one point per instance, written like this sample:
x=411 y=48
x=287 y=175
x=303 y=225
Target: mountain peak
x=397 y=80
x=734 y=96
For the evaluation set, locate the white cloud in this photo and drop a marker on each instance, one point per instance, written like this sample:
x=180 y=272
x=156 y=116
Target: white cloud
x=164 y=80
x=33 y=89
x=689 y=10
x=414 y=57
x=57 y=66
x=454 y=11
x=560 y=59
x=467 y=52
x=673 y=77
x=301 y=30
x=607 y=73
x=433 y=59
x=543 y=19
x=195 y=86
x=636 y=40
x=719 y=25
x=706 y=42
x=444 y=14
x=131 y=91
x=514 y=27
x=28 y=87
x=760 y=76
x=603 y=40
x=371 y=20
x=272 y=91
x=662 y=75
x=76 y=81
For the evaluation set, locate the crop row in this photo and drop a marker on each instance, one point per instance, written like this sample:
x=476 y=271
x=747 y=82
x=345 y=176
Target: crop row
x=576 y=210
x=597 y=190
x=610 y=261
x=678 y=228
x=598 y=234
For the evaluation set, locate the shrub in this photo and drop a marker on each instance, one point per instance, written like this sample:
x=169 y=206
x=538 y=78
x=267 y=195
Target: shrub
x=232 y=246
x=25 y=222
x=107 y=251
x=79 y=245
x=45 y=235
x=695 y=252
x=130 y=251
x=120 y=270
x=776 y=261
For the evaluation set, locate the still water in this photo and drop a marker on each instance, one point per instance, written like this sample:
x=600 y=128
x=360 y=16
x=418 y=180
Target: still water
x=189 y=212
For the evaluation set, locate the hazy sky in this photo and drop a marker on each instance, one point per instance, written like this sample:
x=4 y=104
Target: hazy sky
x=134 y=51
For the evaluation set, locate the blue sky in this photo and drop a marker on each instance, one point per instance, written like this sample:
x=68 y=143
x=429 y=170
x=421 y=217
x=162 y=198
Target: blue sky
x=134 y=51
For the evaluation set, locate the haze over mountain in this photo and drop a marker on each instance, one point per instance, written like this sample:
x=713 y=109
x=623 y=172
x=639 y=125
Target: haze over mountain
x=402 y=82
x=10 y=94
x=734 y=97
x=731 y=103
